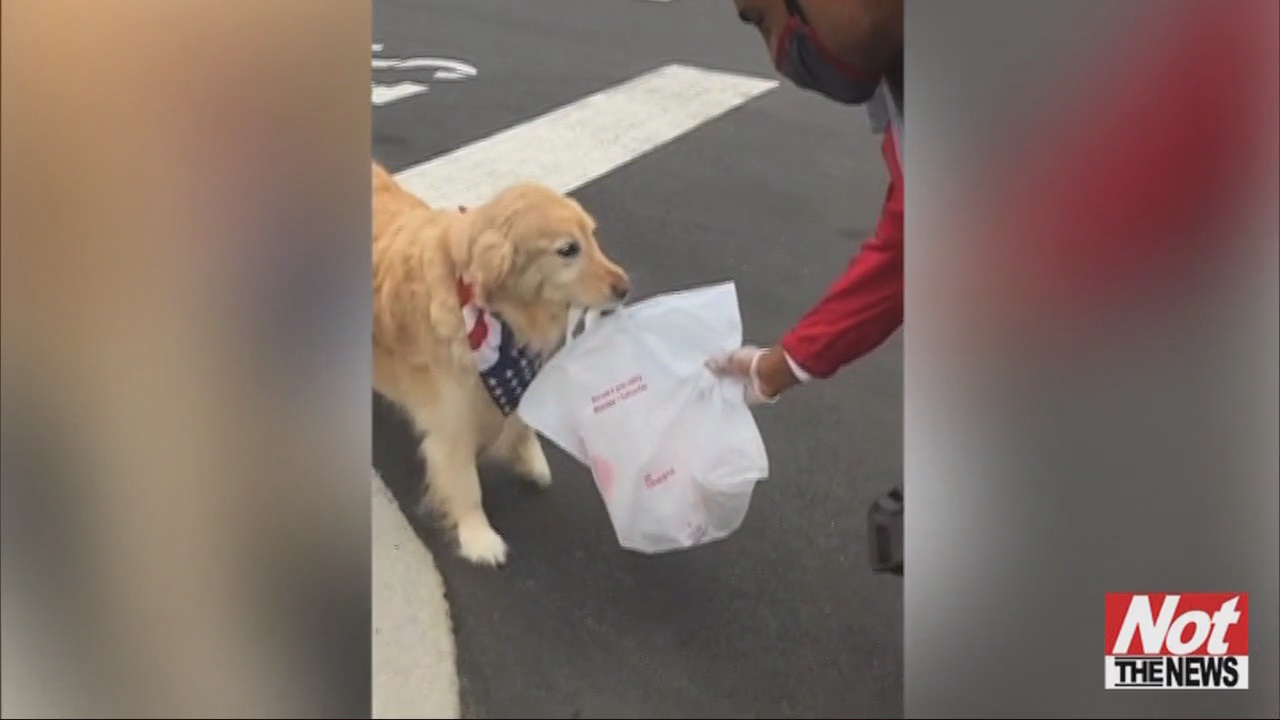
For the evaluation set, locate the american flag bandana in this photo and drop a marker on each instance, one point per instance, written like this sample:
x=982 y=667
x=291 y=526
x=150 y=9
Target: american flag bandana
x=506 y=368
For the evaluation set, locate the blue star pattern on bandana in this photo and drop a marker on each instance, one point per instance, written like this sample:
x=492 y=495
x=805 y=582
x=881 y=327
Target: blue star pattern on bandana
x=506 y=368
x=512 y=371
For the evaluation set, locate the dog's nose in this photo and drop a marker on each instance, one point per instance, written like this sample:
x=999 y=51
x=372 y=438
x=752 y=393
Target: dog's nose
x=621 y=289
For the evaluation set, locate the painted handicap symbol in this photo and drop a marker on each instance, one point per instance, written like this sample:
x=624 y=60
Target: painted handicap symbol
x=435 y=69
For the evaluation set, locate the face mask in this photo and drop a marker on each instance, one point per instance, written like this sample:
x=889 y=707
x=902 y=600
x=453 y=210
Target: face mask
x=805 y=61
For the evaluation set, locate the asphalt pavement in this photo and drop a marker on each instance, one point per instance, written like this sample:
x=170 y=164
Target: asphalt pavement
x=784 y=618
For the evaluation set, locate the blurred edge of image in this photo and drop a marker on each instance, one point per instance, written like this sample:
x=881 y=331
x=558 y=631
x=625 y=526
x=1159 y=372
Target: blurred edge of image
x=186 y=408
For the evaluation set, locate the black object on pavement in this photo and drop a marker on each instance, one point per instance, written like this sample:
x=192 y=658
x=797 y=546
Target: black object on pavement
x=884 y=522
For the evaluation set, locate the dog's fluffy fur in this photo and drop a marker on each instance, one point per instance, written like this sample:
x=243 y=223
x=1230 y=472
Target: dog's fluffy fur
x=517 y=251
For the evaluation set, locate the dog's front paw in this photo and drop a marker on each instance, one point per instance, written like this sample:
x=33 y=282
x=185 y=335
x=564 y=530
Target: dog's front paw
x=480 y=544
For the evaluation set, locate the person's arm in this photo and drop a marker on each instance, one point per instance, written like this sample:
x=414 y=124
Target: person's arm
x=860 y=310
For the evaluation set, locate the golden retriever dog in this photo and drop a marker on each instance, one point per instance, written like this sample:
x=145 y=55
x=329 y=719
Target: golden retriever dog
x=452 y=291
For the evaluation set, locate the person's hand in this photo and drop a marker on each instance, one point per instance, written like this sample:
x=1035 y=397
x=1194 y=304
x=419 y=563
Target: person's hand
x=764 y=371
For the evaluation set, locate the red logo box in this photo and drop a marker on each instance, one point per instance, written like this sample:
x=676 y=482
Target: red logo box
x=1177 y=641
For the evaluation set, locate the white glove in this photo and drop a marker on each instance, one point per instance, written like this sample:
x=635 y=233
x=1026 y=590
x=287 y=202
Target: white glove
x=743 y=363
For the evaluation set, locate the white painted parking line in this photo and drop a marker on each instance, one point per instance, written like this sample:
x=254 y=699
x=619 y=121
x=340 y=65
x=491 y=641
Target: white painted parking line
x=413 y=663
x=384 y=94
x=584 y=140
x=445 y=68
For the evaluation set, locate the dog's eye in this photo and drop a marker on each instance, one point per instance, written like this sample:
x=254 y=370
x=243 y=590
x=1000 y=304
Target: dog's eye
x=569 y=249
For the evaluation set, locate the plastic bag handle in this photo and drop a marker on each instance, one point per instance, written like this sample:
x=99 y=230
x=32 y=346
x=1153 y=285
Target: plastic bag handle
x=585 y=317
x=577 y=316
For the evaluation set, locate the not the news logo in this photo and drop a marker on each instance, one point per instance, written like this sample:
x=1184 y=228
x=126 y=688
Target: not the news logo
x=1169 y=641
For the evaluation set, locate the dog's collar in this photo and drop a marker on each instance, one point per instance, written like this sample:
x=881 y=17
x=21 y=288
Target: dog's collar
x=465 y=293
x=474 y=315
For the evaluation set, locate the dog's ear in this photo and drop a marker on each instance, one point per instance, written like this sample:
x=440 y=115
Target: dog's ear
x=491 y=260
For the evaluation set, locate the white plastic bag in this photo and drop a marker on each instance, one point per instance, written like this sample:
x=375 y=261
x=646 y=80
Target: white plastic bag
x=674 y=449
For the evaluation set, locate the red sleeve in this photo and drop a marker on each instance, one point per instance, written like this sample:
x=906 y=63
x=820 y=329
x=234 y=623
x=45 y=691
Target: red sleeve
x=864 y=305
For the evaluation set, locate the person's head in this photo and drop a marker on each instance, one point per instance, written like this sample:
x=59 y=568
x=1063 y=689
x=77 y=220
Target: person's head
x=839 y=48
